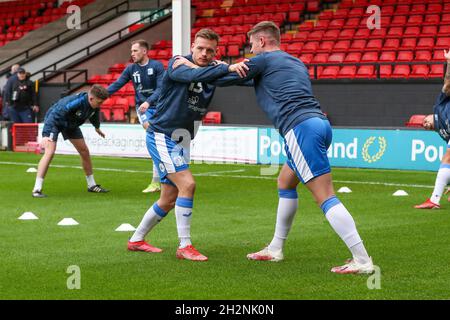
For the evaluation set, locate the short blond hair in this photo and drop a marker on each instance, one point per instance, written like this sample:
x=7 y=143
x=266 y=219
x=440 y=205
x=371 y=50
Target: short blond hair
x=142 y=43
x=99 y=92
x=207 y=34
x=267 y=27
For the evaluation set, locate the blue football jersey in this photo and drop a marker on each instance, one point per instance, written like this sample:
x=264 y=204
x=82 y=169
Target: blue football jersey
x=146 y=80
x=72 y=111
x=441 y=111
x=185 y=97
x=283 y=89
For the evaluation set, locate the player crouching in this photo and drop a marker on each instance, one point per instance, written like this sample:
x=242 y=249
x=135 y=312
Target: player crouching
x=66 y=116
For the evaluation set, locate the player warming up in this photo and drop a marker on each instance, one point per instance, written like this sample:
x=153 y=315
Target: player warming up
x=185 y=96
x=146 y=75
x=439 y=121
x=66 y=116
x=283 y=90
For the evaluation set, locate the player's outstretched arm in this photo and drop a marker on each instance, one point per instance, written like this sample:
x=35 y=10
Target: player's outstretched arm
x=185 y=74
x=119 y=83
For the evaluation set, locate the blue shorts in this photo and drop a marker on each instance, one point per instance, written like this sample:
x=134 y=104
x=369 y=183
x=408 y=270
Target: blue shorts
x=306 y=148
x=145 y=117
x=167 y=155
x=52 y=131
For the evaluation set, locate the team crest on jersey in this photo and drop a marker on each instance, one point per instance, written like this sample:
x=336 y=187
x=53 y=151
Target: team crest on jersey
x=78 y=113
x=178 y=160
x=150 y=71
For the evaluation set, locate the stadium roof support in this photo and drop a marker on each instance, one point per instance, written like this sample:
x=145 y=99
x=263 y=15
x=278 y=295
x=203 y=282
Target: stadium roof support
x=181 y=26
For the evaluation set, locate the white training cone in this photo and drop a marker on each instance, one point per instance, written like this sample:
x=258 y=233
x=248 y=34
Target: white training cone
x=31 y=170
x=68 y=222
x=126 y=227
x=28 y=216
x=400 y=193
x=344 y=190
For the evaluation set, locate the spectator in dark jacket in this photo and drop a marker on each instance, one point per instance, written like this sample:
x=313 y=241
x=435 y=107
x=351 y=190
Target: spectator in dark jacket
x=22 y=99
x=7 y=89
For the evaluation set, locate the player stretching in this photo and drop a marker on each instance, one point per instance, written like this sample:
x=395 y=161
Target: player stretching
x=185 y=96
x=283 y=90
x=439 y=121
x=146 y=76
x=66 y=116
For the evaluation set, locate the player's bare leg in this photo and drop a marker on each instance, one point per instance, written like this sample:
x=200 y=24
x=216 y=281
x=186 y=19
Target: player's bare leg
x=287 y=208
x=183 y=212
x=155 y=185
x=49 y=151
x=343 y=224
x=152 y=217
x=86 y=163
x=442 y=180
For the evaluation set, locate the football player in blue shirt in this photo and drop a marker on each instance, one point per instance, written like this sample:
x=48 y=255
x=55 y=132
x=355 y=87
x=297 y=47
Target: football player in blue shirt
x=440 y=122
x=66 y=116
x=185 y=95
x=283 y=91
x=146 y=75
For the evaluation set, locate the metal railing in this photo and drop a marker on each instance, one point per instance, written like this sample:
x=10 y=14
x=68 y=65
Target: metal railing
x=59 y=36
x=88 y=50
x=66 y=78
x=377 y=66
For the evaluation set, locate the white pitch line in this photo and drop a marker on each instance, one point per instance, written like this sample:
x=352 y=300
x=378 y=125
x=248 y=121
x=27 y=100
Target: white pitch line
x=219 y=174
x=114 y=169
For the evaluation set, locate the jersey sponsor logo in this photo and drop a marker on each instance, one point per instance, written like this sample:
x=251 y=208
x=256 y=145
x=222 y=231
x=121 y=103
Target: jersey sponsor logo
x=136 y=77
x=193 y=100
x=150 y=71
x=78 y=113
x=161 y=167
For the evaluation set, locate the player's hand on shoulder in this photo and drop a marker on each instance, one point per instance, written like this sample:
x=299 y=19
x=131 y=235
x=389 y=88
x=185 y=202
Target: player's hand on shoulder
x=143 y=107
x=240 y=68
x=179 y=60
x=100 y=132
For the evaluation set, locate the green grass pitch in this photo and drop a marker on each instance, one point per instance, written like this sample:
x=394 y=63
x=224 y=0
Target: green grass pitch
x=234 y=214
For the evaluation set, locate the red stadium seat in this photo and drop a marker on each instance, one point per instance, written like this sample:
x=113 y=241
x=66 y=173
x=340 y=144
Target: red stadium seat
x=385 y=71
x=401 y=71
x=423 y=55
x=331 y=35
x=336 y=58
x=306 y=58
x=411 y=32
x=438 y=55
x=342 y=45
x=388 y=56
x=416 y=121
x=294 y=16
x=353 y=57
x=431 y=19
x=347 y=72
x=442 y=43
x=365 y=72
x=436 y=71
x=362 y=33
x=419 y=71
x=320 y=58
x=425 y=43
x=369 y=57
x=212 y=117
x=391 y=44
x=358 y=45
x=347 y=34
x=315 y=36
x=329 y=72
x=310 y=47
x=405 y=56
x=326 y=46
x=233 y=51
x=395 y=32
x=408 y=44
x=374 y=44
x=294 y=48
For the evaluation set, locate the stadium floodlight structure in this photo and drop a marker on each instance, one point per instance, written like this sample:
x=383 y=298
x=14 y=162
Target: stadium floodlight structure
x=181 y=26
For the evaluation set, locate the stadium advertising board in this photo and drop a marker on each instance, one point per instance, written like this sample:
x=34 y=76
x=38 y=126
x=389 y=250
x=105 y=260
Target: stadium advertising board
x=360 y=148
x=365 y=148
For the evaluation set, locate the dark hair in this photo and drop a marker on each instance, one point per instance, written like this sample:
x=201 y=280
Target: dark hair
x=142 y=43
x=99 y=92
x=267 y=27
x=207 y=34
